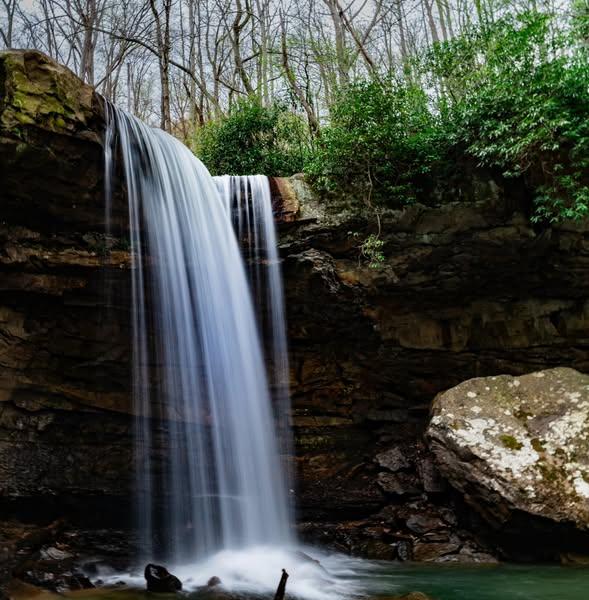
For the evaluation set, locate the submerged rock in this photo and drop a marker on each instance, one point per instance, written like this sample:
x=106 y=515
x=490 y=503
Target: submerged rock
x=517 y=445
x=159 y=579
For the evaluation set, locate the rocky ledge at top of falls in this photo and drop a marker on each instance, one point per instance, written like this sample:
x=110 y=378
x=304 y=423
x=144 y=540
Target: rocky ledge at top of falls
x=517 y=445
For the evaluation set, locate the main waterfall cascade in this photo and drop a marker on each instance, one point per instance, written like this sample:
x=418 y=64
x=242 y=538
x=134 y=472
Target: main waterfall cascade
x=209 y=475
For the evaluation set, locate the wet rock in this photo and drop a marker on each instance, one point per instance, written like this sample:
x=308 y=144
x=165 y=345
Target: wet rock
x=424 y=523
x=573 y=558
x=433 y=482
x=393 y=460
x=470 y=553
x=160 y=580
x=73 y=582
x=213 y=581
x=375 y=549
x=433 y=552
x=55 y=579
x=400 y=484
x=405 y=550
x=54 y=554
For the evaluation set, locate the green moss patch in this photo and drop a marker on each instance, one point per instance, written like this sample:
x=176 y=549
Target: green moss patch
x=510 y=442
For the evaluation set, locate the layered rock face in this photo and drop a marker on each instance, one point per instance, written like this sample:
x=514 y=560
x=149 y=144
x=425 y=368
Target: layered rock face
x=64 y=298
x=467 y=289
x=65 y=429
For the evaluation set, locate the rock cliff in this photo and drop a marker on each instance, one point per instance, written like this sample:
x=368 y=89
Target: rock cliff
x=467 y=289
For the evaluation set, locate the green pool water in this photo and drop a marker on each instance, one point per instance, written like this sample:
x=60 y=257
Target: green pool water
x=502 y=582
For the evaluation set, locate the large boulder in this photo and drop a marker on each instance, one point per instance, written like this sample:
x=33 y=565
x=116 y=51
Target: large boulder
x=517 y=446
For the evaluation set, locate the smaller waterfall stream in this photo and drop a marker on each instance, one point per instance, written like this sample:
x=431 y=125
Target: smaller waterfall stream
x=248 y=200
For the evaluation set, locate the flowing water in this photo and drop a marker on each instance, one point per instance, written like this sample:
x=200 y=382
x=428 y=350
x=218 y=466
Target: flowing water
x=209 y=476
x=248 y=199
x=348 y=578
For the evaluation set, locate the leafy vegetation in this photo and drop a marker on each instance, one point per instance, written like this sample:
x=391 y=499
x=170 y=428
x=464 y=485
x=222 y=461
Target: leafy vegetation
x=382 y=142
x=371 y=250
x=524 y=108
x=513 y=95
x=254 y=139
x=510 y=95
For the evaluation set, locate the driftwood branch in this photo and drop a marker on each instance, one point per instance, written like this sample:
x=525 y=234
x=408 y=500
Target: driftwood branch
x=281 y=586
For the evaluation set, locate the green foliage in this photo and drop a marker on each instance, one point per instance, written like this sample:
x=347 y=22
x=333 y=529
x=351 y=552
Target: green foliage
x=254 y=139
x=522 y=106
x=581 y=20
x=513 y=95
x=381 y=143
x=371 y=250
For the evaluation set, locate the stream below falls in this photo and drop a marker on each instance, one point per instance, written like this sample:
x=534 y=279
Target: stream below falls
x=356 y=578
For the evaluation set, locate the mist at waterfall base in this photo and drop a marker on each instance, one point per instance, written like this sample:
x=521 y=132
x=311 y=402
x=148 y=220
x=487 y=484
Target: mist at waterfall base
x=211 y=428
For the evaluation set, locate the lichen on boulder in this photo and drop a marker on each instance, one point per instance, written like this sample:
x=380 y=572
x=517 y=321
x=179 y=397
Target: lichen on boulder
x=517 y=444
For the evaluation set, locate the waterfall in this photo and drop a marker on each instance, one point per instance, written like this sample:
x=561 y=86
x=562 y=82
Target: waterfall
x=248 y=199
x=209 y=475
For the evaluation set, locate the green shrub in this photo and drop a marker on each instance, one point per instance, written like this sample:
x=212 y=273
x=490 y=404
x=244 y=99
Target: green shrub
x=512 y=95
x=254 y=139
x=380 y=145
x=522 y=106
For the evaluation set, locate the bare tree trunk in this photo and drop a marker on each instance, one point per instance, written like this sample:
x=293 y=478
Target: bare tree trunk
x=402 y=37
x=164 y=49
x=340 y=42
x=442 y=14
x=89 y=18
x=359 y=43
x=431 y=21
x=290 y=76
x=10 y=7
x=240 y=21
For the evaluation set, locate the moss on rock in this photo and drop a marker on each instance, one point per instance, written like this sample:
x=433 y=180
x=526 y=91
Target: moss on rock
x=35 y=91
x=510 y=442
